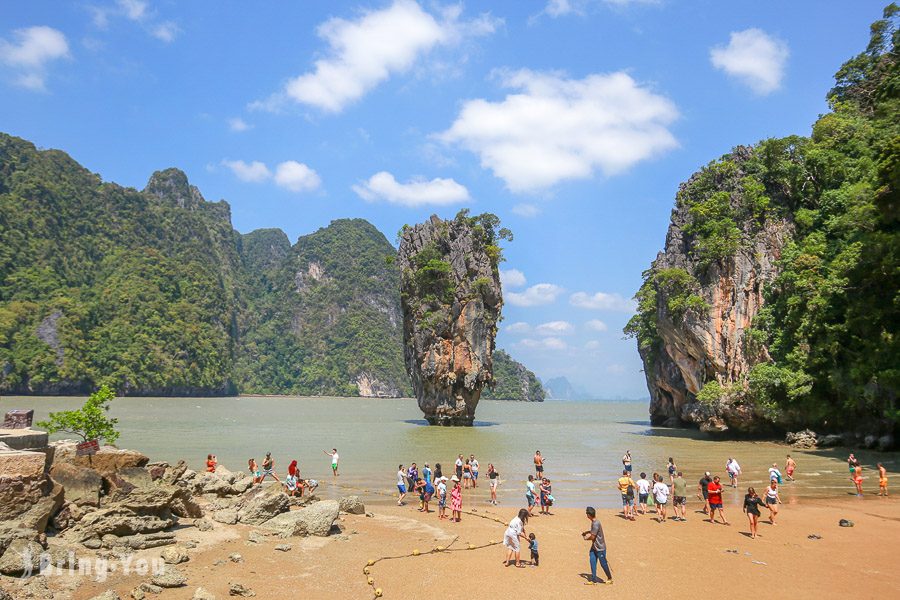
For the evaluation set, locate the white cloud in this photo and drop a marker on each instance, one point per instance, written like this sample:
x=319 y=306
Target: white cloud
x=554 y=129
x=253 y=171
x=238 y=124
x=526 y=210
x=518 y=327
x=166 y=31
x=512 y=278
x=553 y=328
x=134 y=10
x=438 y=191
x=365 y=52
x=561 y=8
x=596 y=325
x=754 y=58
x=31 y=50
x=592 y=345
x=536 y=295
x=549 y=343
x=601 y=301
x=296 y=177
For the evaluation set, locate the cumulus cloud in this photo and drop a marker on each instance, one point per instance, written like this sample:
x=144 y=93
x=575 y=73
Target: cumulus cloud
x=601 y=301
x=554 y=129
x=30 y=52
x=511 y=278
x=438 y=191
x=548 y=343
x=296 y=177
x=553 y=328
x=254 y=171
x=290 y=174
x=562 y=8
x=137 y=11
x=518 y=327
x=526 y=210
x=754 y=58
x=536 y=295
x=596 y=325
x=166 y=31
x=367 y=51
x=238 y=124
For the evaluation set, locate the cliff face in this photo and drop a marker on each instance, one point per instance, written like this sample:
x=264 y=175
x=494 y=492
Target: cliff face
x=513 y=381
x=451 y=301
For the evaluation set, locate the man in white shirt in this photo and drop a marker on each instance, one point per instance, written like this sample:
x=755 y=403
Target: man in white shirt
x=734 y=470
x=643 y=488
x=661 y=496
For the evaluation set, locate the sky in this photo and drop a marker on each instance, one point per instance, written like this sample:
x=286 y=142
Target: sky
x=574 y=121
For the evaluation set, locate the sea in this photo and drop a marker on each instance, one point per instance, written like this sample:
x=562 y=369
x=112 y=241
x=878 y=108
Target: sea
x=582 y=444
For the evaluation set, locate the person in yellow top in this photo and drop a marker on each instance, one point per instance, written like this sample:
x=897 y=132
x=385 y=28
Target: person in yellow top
x=882 y=480
x=627 y=486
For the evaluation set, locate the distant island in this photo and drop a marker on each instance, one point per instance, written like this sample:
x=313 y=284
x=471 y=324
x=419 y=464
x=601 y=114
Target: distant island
x=154 y=293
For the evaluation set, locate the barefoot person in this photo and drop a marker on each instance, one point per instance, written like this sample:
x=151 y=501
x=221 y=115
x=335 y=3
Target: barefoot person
x=442 y=497
x=734 y=471
x=538 y=464
x=597 y=553
x=752 y=502
x=268 y=468
x=643 y=488
x=626 y=462
x=467 y=474
x=882 y=480
x=789 y=467
x=661 y=497
x=293 y=479
x=703 y=491
x=494 y=479
x=775 y=473
x=334 y=461
x=254 y=470
x=672 y=469
x=530 y=493
x=715 y=501
x=772 y=501
x=456 y=501
x=627 y=488
x=473 y=462
x=679 y=496
x=514 y=533
x=401 y=485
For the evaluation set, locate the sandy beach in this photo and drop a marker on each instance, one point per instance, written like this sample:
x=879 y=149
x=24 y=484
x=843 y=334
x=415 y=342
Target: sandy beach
x=677 y=559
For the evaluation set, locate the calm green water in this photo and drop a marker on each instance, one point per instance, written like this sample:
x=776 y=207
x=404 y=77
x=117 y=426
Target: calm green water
x=582 y=443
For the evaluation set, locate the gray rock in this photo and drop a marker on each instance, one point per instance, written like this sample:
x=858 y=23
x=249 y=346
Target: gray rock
x=150 y=588
x=4 y=595
x=138 y=594
x=175 y=473
x=352 y=505
x=210 y=483
x=203 y=594
x=242 y=485
x=802 y=439
x=262 y=505
x=316 y=520
x=175 y=555
x=82 y=485
x=235 y=558
x=237 y=589
x=283 y=547
x=206 y=524
x=107 y=595
x=256 y=537
x=170 y=577
x=228 y=516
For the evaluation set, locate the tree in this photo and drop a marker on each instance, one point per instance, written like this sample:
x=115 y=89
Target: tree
x=90 y=421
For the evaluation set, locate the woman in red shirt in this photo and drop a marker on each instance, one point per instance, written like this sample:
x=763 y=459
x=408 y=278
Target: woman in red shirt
x=715 y=500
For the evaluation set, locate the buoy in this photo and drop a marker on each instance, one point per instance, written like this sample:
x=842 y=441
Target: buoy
x=378 y=593
x=371 y=581
x=366 y=570
x=415 y=552
x=371 y=562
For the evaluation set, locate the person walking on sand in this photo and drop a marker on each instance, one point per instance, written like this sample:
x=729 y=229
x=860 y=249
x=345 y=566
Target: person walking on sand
x=643 y=488
x=456 y=501
x=334 y=461
x=774 y=473
x=789 y=467
x=597 y=553
x=473 y=462
x=734 y=471
x=401 y=485
x=493 y=479
x=679 y=496
x=752 y=502
x=672 y=469
x=626 y=488
x=538 y=464
x=268 y=468
x=661 y=497
x=529 y=494
x=514 y=532
x=715 y=501
x=772 y=500
x=626 y=462
x=442 y=497
x=882 y=480
x=703 y=491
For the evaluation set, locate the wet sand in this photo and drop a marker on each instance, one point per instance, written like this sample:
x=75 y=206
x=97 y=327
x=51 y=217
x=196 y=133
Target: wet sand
x=648 y=559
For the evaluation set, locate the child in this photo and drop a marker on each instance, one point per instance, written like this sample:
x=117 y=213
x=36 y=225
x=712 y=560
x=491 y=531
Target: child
x=533 y=546
x=882 y=480
x=442 y=497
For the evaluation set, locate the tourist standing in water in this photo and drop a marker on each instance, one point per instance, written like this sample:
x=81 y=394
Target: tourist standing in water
x=626 y=462
x=672 y=469
x=715 y=501
x=467 y=473
x=401 y=485
x=494 y=479
x=538 y=464
x=789 y=467
x=774 y=473
x=752 y=502
x=412 y=475
x=514 y=532
x=545 y=496
x=882 y=480
x=438 y=472
x=679 y=496
x=459 y=467
x=334 y=461
x=597 y=553
x=734 y=471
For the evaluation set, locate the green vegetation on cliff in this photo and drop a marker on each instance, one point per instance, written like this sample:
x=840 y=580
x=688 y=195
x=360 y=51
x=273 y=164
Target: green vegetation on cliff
x=512 y=381
x=825 y=341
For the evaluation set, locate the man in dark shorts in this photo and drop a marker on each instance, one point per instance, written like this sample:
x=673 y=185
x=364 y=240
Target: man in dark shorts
x=703 y=491
x=715 y=501
x=538 y=464
x=679 y=496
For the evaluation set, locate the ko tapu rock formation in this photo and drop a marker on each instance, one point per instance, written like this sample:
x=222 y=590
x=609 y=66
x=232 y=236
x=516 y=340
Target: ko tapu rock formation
x=451 y=301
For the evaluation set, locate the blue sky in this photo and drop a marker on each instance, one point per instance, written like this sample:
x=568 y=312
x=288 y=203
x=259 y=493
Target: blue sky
x=572 y=120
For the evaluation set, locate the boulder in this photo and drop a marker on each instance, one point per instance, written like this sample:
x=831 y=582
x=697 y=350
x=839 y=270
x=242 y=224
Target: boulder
x=352 y=505
x=82 y=485
x=107 y=595
x=66 y=516
x=170 y=577
x=175 y=472
x=228 y=516
x=242 y=485
x=210 y=483
x=203 y=594
x=142 y=511
x=108 y=460
x=262 y=505
x=237 y=589
x=802 y=439
x=175 y=555
x=138 y=541
x=316 y=520
x=18 y=494
x=38 y=515
x=22 y=557
x=206 y=524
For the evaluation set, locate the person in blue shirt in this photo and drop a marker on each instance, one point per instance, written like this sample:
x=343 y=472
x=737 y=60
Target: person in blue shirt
x=533 y=546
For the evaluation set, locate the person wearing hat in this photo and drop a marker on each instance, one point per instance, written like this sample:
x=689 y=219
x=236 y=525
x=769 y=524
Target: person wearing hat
x=442 y=497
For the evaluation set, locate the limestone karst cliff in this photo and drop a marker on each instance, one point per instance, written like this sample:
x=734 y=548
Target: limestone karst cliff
x=451 y=301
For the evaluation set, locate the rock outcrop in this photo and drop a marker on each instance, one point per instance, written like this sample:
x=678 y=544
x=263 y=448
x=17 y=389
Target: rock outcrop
x=709 y=342
x=451 y=301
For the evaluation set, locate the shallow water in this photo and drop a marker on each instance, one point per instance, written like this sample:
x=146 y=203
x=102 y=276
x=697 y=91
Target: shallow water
x=582 y=443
